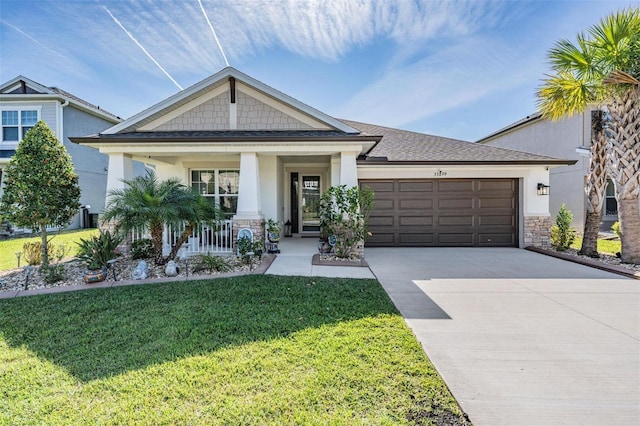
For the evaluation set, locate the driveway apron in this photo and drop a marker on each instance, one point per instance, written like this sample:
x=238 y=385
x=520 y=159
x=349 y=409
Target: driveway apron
x=521 y=338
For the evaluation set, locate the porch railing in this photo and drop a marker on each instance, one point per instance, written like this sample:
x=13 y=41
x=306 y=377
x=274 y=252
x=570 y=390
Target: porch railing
x=204 y=239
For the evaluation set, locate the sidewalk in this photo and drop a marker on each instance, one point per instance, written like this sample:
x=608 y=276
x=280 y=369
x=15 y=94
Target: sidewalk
x=295 y=259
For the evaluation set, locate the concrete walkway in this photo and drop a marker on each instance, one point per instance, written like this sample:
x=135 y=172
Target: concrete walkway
x=295 y=259
x=521 y=338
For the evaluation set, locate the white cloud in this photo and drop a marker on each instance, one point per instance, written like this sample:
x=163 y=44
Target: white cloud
x=450 y=78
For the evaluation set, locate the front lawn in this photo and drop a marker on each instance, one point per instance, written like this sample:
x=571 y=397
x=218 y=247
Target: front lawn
x=604 y=246
x=9 y=248
x=257 y=349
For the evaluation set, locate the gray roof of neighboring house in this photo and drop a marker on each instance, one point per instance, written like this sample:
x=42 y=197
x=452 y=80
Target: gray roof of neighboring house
x=403 y=146
x=35 y=90
x=527 y=119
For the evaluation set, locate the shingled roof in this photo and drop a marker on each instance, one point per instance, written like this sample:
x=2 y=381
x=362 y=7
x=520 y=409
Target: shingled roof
x=403 y=146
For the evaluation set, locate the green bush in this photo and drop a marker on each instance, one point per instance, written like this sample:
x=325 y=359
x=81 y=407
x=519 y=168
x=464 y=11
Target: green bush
x=142 y=249
x=562 y=234
x=211 y=263
x=97 y=251
x=616 y=229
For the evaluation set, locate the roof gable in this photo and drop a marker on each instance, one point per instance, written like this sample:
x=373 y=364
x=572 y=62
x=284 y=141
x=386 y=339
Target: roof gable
x=229 y=100
x=21 y=85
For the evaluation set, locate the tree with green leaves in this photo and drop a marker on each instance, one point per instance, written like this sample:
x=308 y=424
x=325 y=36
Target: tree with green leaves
x=149 y=203
x=40 y=185
x=602 y=70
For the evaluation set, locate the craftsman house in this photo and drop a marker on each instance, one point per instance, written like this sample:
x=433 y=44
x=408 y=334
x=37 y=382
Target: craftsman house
x=258 y=153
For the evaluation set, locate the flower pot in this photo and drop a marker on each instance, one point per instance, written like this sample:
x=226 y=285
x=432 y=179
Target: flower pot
x=95 y=276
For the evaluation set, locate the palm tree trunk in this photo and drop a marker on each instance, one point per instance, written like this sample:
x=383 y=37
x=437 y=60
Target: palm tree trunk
x=596 y=185
x=188 y=230
x=629 y=215
x=623 y=145
x=156 y=239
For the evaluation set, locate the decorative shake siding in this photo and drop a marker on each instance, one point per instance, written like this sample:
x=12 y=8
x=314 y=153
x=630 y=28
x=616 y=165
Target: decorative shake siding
x=537 y=231
x=210 y=115
x=256 y=115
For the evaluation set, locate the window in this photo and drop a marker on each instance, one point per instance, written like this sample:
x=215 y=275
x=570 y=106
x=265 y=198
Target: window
x=16 y=124
x=219 y=186
x=610 y=203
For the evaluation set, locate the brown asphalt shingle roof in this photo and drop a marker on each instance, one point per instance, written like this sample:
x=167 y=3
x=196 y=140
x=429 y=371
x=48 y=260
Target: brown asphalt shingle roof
x=405 y=146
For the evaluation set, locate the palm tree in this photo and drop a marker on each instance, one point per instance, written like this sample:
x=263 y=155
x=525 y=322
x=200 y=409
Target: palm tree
x=603 y=70
x=574 y=88
x=147 y=202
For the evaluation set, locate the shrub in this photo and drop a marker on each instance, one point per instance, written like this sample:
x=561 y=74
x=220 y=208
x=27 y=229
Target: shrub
x=142 y=249
x=211 y=263
x=562 y=234
x=33 y=252
x=344 y=212
x=97 y=251
x=616 y=229
x=246 y=246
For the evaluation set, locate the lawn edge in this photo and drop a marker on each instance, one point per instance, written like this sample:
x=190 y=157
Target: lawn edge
x=587 y=262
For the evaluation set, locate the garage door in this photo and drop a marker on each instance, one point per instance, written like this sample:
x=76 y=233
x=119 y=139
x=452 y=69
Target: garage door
x=444 y=212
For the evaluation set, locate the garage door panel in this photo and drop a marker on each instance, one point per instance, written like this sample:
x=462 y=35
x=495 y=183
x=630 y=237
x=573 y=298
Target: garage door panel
x=455 y=238
x=382 y=221
x=455 y=221
x=455 y=203
x=444 y=212
x=495 y=203
x=493 y=220
x=493 y=186
x=416 y=203
x=415 y=186
x=380 y=186
x=419 y=220
x=455 y=185
x=417 y=238
x=493 y=240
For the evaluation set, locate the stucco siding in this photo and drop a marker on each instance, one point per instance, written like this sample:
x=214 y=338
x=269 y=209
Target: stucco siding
x=256 y=115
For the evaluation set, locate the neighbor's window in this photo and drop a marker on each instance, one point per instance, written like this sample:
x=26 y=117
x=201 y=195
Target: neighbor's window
x=16 y=124
x=610 y=203
x=218 y=185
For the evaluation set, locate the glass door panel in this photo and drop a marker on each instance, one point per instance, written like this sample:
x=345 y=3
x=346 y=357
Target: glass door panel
x=310 y=203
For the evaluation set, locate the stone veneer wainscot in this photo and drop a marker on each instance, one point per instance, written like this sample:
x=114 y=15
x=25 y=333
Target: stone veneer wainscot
x=537 y=231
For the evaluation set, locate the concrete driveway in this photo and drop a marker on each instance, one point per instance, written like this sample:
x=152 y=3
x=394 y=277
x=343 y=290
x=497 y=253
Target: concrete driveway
x=521 y=338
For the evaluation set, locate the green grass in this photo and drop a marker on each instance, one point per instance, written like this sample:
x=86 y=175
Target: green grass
x=247 y=350
x=8 y=248
x=604 y=246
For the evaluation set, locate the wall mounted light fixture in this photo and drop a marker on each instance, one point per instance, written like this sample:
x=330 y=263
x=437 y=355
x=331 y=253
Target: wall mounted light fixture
x=543 y=189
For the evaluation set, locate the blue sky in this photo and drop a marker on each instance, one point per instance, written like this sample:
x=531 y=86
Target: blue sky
x=461 y=69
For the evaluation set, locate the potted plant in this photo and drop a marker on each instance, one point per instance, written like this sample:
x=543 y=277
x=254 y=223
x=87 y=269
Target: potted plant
x=96 y=253
x=273 y=235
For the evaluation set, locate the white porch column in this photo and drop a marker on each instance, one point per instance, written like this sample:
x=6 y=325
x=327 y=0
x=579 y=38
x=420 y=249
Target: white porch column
x=248 y=190
x=335 y=170
x=120 y=169
x=348 y=169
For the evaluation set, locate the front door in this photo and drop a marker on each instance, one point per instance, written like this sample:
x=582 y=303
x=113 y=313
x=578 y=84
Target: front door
x=310 y=203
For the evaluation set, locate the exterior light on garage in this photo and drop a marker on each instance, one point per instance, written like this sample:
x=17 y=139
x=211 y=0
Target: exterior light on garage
x=543 y=189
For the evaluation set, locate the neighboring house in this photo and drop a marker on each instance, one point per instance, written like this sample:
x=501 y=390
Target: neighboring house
x=566 y=138
x=24 y=102
x=259 y=154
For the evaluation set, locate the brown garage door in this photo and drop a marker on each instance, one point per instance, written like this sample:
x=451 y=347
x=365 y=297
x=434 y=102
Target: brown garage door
x=443 y=212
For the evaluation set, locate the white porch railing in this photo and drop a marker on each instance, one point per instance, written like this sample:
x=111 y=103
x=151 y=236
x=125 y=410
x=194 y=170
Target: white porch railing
x=205 y=239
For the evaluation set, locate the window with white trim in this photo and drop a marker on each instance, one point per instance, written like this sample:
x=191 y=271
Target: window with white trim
x=610 y=202
x=16 y=124
x=220 y=186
